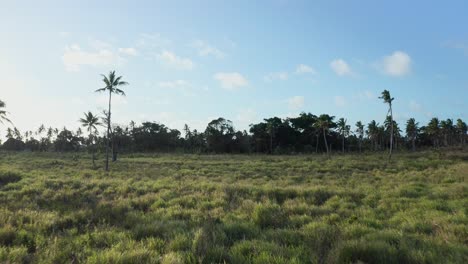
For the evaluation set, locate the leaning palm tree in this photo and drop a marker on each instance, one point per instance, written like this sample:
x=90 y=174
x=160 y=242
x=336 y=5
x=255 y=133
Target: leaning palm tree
x=360 y=133
x=90 y=122
x=3 y=113
x=388 y=100
x=112 y=86
x=324 y=123
x=412 y=132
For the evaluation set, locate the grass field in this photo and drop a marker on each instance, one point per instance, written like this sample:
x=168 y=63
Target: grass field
x=235 y=209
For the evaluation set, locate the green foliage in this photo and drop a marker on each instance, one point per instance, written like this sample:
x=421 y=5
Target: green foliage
x=269 y=216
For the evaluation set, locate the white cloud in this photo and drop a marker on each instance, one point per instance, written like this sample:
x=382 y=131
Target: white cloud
x=340 y=101
x=205 y=49
x=296 y=102
x=74 y=57
x=174 y=84
x=128 y=51
x=282 y=76
x=231 y=80
x=302 y=69
x=397 y=64
x=175 y=61
x=340 y=67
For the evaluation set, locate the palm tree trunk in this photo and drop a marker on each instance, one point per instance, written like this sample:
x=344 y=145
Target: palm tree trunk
x=360 y=145
x=108 y=131
x=316 y=143
x=271 y=143
x=414 y=144
x=342 y=146
x=391 y=132
x=325 y=139
x=92 y=148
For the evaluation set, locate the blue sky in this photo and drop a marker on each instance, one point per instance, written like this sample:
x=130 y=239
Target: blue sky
x=193 y=61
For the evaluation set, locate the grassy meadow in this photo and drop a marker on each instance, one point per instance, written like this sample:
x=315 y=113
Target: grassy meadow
x=55 y=208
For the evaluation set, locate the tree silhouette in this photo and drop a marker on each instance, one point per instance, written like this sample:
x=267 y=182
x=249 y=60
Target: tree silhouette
x=3 y=113
x=412 y=132
x=112 y=86
x=90 y=122
x=388 y=100
x=344 y=130
x=360 y=133
x=324 y=123
x=461 y=129
x=433 y=130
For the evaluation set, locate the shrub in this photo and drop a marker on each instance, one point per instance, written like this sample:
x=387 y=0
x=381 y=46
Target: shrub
x=240 y=231
x=269 y=216
x=7 y=177
x=181 y=242
x=372 y=252
x=7 y=236
x=322 y=239
x=206 y=239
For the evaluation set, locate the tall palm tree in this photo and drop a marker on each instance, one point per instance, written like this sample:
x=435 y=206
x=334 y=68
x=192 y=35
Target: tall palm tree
x=3 y=113
x=90 y=122
x=343 y=129
x=112 y=86
x=388 y=99
x=360 y=133
x=324 y=123
x=412 y=131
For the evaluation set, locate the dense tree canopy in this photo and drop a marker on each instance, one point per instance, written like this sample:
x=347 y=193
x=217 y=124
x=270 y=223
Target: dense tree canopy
x=306 y=133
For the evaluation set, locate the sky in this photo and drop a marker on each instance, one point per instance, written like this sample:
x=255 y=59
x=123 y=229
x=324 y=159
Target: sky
x=194 y=61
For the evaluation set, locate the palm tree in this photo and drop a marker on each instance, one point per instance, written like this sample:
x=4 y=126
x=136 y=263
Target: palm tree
x=461 y=129
x=388 y=100
x=433 y=130
x=412 y=131
x=343 y=129
x=3 y=113
x=324 y=123
x=112 y=86
x=360 y=133
x=90 y=122
x=373 y=132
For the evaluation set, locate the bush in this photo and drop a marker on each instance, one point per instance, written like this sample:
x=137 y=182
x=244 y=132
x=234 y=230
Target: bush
x=372 y=252
x=269 y=216
x=207 y=239
x=322 y=239
x=7 y=177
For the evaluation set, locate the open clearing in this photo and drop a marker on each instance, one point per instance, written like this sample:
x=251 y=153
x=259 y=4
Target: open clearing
x=55 y=208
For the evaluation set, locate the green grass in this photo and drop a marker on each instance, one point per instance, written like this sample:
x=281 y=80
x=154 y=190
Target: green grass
x=55 y=208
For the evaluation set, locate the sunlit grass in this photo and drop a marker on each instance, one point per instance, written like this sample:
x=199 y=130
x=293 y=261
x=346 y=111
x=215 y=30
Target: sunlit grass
x=151 y=208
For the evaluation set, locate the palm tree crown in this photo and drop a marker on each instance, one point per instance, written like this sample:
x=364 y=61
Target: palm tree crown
x=3 y=113
x=112 y=83
x=90 y=121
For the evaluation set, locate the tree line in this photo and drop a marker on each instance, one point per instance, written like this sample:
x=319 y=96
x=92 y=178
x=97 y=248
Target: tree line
x=306 y=133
